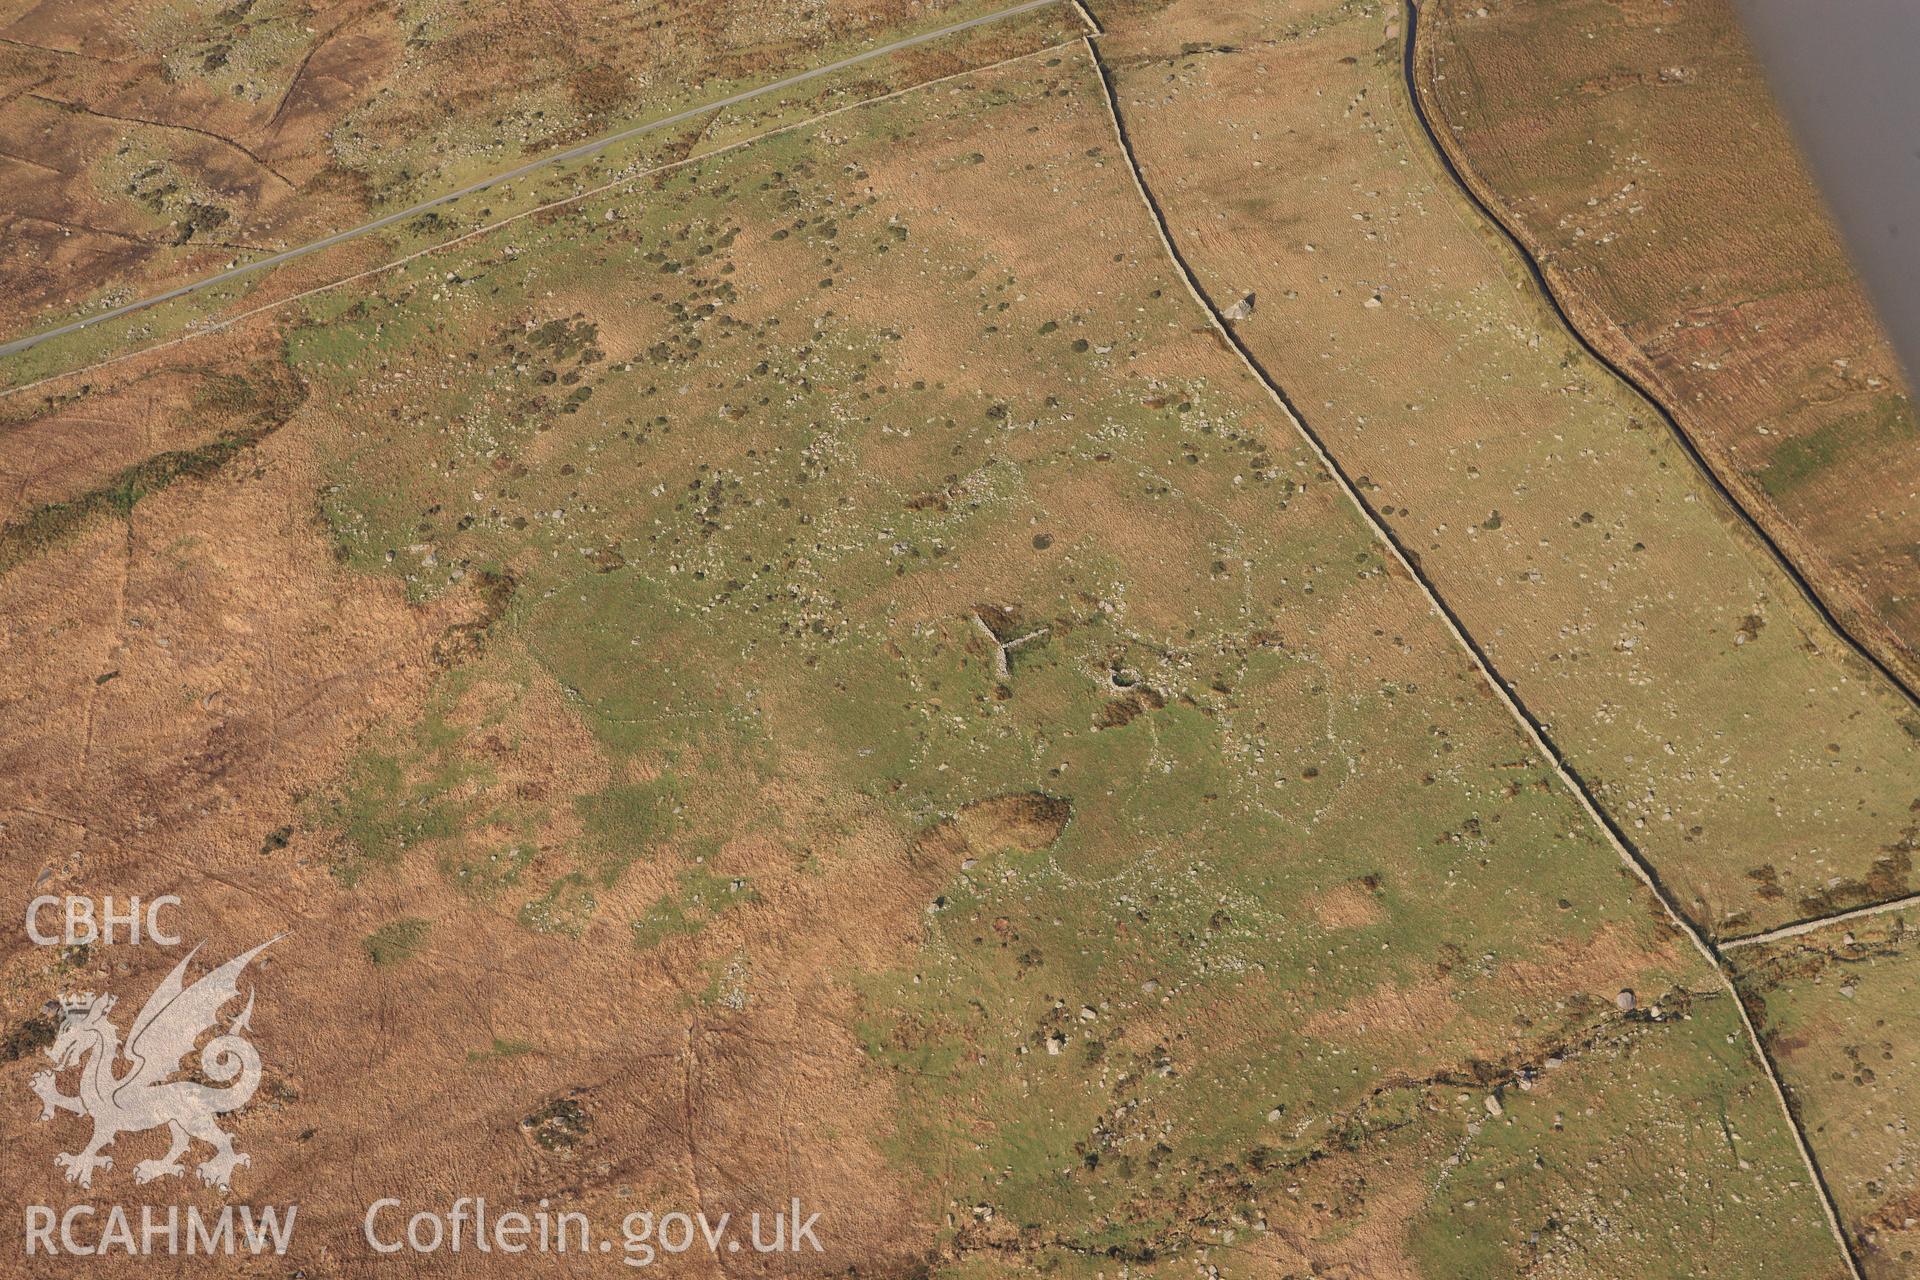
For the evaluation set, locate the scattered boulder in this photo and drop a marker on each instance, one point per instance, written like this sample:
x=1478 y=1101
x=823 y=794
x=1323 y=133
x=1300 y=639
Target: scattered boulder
x=560 y=1124
x=1240 y=310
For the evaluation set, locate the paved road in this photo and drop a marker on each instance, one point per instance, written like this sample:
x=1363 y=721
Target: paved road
x=27 y=343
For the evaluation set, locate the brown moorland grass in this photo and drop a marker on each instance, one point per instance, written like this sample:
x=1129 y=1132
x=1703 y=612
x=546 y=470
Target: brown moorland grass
x=731 y=846
x=148 y=710
x=1637 y=150
x=1765 y=771
x=84 y=452
x=184 y=683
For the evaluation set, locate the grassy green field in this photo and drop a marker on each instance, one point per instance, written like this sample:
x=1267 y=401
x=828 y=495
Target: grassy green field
x=922 y=730
x=1836 y=1007
x=1647 y=162
x=1234 y=870
x=1759 y=764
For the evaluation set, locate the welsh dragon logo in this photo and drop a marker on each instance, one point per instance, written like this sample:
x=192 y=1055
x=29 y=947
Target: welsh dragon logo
x=143 y=1097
